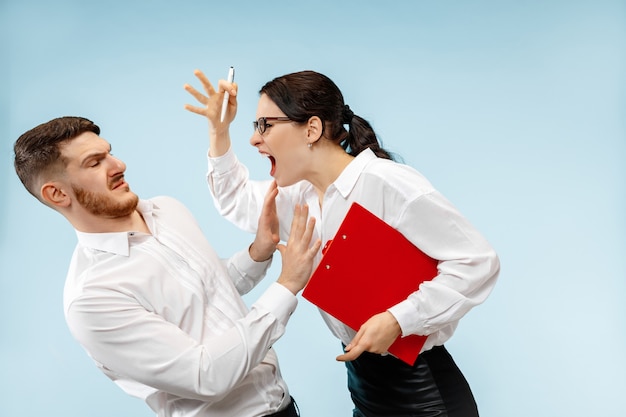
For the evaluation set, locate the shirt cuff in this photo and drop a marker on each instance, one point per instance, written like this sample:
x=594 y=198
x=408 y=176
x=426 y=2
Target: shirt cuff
x=404 y=312
x=222 y=164
x=279 y=301
x=249 y=266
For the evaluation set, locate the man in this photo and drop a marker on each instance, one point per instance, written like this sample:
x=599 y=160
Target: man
x=147 y=296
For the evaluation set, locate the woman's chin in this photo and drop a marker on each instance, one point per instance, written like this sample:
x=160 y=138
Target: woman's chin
x=281 y=181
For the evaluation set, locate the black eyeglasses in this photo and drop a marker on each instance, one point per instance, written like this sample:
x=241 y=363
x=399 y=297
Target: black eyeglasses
x=261 y=123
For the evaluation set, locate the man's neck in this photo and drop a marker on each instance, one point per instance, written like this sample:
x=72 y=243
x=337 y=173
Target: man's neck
x=134 y=222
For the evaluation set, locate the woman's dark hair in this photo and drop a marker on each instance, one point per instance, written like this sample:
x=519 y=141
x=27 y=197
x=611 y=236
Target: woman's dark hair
x=302 y=95
x=37 y=151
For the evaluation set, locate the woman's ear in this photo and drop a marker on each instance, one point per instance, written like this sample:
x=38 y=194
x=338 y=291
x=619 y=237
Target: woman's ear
x=52 y=193
x=314 y=129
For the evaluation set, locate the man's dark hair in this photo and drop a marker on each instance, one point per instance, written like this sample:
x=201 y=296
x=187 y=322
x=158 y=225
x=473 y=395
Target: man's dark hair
x=37 y=153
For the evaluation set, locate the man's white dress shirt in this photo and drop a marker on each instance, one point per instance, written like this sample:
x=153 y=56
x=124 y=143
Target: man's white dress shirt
x=162 y=316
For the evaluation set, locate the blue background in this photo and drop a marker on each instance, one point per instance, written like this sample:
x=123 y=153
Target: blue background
x=514 y=110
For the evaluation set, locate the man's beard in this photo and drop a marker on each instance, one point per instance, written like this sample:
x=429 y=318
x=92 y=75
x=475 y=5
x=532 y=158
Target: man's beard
x=100 y=205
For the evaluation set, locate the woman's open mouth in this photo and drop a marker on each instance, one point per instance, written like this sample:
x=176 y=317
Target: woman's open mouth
x=272 y=162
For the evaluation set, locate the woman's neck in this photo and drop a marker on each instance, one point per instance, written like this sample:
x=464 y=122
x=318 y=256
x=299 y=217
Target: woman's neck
x=328 y=166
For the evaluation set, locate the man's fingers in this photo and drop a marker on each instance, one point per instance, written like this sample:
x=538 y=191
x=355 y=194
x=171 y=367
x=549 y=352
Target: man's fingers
x=298 y=224
x=316 y=246
x=272 y=192
x=310 y=228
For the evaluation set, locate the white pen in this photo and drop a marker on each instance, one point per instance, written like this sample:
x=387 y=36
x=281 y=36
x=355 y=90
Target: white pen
x=231 y=78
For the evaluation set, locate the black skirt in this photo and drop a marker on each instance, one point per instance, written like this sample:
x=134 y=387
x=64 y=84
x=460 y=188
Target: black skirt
x=386 y=386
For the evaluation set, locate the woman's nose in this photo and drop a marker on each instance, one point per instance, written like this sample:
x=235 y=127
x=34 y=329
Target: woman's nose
x=256 y=139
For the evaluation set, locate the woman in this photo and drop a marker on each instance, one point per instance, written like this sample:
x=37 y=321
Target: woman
x=301 y=128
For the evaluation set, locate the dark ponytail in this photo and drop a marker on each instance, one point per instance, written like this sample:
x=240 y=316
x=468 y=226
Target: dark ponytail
x=302 y=95
x=361 y=136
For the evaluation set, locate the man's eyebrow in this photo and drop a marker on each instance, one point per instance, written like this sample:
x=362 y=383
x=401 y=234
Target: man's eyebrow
x=94 y=155
x=91 y=156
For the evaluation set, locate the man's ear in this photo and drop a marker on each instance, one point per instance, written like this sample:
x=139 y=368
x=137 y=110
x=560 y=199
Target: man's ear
x=315 y=129
x=52 y=193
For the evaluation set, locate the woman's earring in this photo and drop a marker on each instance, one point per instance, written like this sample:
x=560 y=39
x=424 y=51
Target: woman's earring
x=310 y=145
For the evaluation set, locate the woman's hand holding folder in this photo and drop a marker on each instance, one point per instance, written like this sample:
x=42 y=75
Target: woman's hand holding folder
x=375 y=336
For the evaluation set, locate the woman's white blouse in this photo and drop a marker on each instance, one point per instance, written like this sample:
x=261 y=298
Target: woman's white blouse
x=402 y=197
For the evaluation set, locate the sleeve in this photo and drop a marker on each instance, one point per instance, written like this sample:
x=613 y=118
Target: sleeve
x=240 y=200
x=245 y=272
x=123 y=336
x=236 y=198
x=467 y=271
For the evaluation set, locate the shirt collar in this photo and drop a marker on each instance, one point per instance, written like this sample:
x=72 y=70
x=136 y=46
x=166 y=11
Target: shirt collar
x=347 y=179
x=117 y=242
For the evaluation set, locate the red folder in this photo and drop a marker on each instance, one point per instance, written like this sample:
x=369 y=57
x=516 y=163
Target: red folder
x=366 y=268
